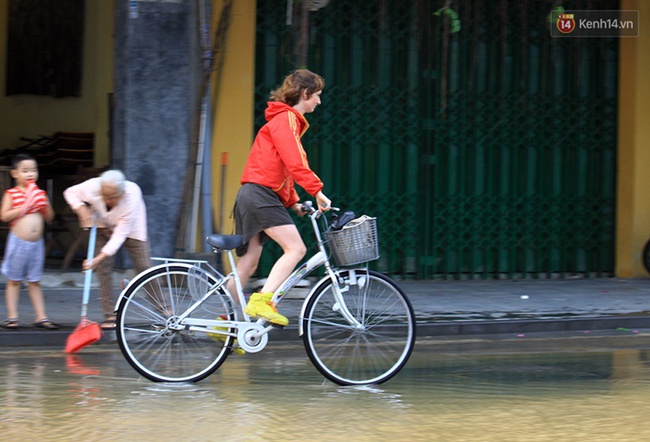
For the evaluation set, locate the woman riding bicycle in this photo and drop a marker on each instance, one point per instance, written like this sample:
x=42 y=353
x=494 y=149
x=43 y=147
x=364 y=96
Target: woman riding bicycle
x=276 y=160
x=362 y=338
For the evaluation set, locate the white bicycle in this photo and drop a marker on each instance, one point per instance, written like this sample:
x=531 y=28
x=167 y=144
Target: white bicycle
x=176 y=322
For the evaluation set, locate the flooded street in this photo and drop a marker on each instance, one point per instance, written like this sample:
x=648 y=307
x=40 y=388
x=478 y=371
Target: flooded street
x=536 y=390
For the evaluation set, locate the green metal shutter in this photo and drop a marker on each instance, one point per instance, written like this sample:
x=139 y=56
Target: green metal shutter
x=485 y=153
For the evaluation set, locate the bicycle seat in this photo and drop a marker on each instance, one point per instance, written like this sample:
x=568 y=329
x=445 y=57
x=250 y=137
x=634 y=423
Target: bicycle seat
x=225 y=242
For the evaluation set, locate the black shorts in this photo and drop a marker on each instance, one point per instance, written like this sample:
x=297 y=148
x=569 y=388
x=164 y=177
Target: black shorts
x=258 y=208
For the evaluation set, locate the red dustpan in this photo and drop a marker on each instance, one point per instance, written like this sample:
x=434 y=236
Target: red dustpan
x=83 y=335
x=87 y=331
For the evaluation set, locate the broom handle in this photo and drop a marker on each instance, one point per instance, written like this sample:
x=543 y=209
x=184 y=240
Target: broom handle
x=89 y=272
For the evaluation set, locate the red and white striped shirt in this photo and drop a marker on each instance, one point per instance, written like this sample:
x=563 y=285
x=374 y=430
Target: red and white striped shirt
x=36 y=201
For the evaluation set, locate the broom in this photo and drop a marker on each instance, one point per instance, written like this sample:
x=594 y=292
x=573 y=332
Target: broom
x=87 y=331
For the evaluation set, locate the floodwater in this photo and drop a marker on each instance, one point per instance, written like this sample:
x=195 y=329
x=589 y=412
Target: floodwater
x=555 y=389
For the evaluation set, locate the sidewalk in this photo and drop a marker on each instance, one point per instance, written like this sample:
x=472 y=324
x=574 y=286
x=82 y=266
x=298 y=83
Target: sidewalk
x=442 y=308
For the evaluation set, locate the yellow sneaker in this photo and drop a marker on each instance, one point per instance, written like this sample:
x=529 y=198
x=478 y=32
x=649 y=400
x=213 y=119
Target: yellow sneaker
x=218 y=337
x=260 y=305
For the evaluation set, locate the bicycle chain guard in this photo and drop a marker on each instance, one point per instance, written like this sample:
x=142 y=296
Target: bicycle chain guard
x=251 y=337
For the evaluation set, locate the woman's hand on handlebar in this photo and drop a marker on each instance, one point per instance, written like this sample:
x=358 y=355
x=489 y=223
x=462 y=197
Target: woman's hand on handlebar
x=308 y=208
x=324 y=203
x=299 y=209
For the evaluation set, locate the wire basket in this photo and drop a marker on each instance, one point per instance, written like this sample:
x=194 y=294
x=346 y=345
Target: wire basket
x=355 y=243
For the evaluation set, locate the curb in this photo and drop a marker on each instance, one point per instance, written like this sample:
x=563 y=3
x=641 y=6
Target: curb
x=468 y=328
x=57 y=338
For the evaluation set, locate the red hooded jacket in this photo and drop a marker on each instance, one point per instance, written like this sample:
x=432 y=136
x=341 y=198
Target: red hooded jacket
x=277 y=157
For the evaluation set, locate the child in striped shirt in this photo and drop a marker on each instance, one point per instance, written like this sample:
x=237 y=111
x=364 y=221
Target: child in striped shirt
x=26 y=208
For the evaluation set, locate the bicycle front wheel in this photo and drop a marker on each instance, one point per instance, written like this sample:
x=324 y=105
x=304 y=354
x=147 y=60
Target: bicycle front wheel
x=147 y=330
x=370 y=353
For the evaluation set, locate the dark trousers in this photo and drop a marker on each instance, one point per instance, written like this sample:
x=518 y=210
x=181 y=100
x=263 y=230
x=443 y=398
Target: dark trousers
x=140 y=255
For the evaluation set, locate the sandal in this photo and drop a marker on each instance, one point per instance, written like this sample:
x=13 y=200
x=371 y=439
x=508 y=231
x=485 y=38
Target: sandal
x=10 y=324
x=108 y=324
x=46 y=324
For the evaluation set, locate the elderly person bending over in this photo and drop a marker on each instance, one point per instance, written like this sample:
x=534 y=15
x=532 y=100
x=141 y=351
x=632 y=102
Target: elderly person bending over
x=121 y=218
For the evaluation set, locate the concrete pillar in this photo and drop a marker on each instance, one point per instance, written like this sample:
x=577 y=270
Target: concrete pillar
x=155 y=95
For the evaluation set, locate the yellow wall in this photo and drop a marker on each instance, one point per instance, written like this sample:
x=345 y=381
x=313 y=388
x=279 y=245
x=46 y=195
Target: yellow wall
x=633 y=195
x=31 y=116
x=233 y=107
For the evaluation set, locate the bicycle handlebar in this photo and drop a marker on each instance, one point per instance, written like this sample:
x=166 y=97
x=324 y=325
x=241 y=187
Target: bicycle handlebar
x=308 y=207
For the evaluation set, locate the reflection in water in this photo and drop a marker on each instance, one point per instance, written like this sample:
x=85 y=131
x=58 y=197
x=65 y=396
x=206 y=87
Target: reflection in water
x=278 y=395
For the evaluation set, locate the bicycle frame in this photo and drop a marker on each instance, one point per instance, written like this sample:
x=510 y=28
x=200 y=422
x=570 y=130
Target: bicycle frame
x=247 y=329
x=320 y=258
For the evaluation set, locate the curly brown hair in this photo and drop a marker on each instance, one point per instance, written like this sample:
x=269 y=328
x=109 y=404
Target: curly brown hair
x=296 y=82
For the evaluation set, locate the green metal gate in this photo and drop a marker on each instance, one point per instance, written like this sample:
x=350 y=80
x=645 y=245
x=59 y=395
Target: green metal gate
x=486 y=148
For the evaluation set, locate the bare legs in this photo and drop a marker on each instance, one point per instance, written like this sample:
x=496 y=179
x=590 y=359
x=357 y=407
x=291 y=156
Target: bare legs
x=294 y=249
x=35 y=293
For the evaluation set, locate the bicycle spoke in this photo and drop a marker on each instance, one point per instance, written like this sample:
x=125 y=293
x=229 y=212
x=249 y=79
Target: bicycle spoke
x=148 y=338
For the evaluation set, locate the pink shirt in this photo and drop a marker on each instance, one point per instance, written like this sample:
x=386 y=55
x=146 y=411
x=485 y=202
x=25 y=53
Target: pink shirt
x=128 y=219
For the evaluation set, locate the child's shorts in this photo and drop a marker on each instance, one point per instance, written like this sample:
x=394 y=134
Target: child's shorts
x=24 y=260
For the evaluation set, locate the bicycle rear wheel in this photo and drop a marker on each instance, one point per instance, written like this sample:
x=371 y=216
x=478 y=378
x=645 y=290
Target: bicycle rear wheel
x=146 y=319
x=371 y=354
